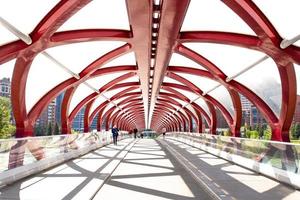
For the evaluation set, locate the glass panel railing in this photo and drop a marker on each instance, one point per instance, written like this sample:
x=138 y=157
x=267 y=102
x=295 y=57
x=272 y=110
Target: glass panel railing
x=24 y=151
x=277 y=155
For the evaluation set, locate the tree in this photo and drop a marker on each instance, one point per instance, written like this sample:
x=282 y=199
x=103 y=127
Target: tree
x=50 y=129
x=267 y=134
x=296 y=133
x=56 y=129
x=6 y=128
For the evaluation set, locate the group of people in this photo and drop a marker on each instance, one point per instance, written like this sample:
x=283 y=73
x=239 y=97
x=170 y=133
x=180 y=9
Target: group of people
x=115 y=133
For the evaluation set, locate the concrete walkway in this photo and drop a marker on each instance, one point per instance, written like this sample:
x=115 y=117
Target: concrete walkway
x=148 y=169
x=233 y=181
x=135 y=169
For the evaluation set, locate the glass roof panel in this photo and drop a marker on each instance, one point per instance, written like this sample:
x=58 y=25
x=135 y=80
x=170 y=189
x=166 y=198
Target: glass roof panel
x=179 y=60
x=188 y=94
x=203 y=105
x=131 y=79
x=204 y=84
x=100 y=81
x=78 y=56
x=297 y=71
x=127 y=59
x=230 y=59
x=7 y=69
x=99 y=14
x=111 y=93
x=99 y=100
x=22 y=14
x=80 y=93
x=6 y=36
x=192 y=109
x=284 y=15
x=222 y=95
x=170 y=80
x=42 y=77
x=205 y=15
x=264 y=80
x=109 y=106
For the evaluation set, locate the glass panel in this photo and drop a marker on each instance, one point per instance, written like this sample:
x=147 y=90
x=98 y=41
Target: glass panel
x=204 y=84
x=111 y=93
x=222 y=95
x=179 y=60
x=7 y=69
x=205 y=15
x=50 y=147
x=109 y=106
x=170 y=80
x=132 y=79
x=99 y=14
x=191 y=109
x=268 y=157
x=80 y=93
x=203 y=105
x=42 y=77
x=22 y=14
x=127 y=59
x=79 y=55
x=6 y=36
x=284 y=15
x=100 y=81
x=230 y=59
x=264 y=80
x=188 y=94
x=97 y=103
x=297 y=71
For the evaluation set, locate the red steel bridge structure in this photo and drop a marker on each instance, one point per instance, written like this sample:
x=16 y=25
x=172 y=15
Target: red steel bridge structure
x=155 y=92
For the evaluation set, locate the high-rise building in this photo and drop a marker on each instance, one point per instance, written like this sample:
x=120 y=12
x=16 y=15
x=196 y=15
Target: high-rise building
x=256 y=117
x=296 y=118
x=246 y=109
x=5 y=87
x=48 y=115
x=59 y=100
x=221 y=122
x=78 y=123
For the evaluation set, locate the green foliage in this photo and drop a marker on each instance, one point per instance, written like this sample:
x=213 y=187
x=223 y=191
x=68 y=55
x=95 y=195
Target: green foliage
x=227 y=133
x=252 y=134
x=74 y=132
x=7 y=130
x=295 y=129
x=267 y=134
x=56 y=129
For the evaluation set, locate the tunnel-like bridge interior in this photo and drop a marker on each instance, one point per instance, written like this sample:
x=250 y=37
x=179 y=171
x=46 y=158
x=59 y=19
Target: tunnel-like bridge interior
x=175 y=66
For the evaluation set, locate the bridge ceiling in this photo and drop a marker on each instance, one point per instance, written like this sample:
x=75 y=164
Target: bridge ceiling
x=152 y=62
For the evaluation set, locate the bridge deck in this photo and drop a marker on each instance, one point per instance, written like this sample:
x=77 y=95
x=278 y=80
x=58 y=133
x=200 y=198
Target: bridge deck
x=147 y=169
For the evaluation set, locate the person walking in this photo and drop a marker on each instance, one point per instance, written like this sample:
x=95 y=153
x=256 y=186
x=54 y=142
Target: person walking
x=164 y=130
x=135 y=132
x=115 y=133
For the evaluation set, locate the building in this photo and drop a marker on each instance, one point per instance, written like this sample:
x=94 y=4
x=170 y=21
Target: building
x=256 y=117
x=48 y=115
x=5 y=87
x=59 y=100
x=78 y=123
x=221 y=122
x=296 y=118
x=246 y=109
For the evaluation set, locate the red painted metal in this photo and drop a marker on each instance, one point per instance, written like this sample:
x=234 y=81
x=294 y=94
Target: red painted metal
x=170 y=40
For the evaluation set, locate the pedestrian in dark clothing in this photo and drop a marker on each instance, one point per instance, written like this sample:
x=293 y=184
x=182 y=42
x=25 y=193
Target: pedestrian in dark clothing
x=115 y=133
x=135 y=132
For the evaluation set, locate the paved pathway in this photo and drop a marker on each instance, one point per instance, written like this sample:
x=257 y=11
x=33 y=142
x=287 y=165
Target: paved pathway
x=147 y=169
